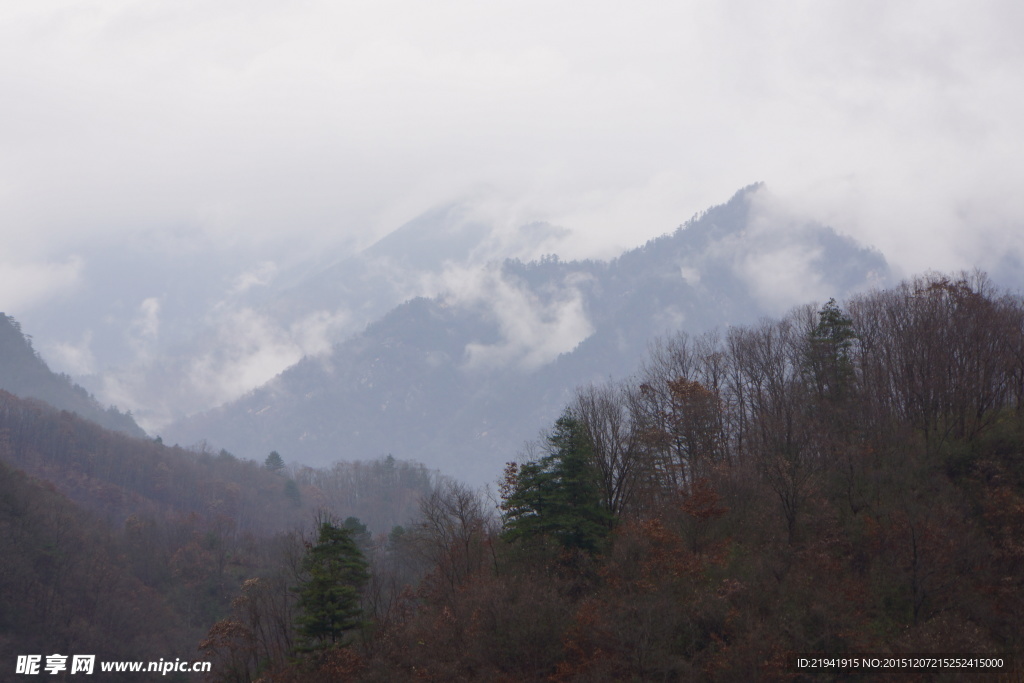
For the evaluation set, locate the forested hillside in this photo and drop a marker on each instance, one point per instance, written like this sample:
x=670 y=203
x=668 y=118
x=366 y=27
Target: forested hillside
x=848 y=479
x=65 y=585
x=129 y=549
x=23 y=372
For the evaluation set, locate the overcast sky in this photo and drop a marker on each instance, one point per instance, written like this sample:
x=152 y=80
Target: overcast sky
x=314 y=122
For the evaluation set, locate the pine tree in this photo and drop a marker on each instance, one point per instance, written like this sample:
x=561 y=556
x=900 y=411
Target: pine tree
x=329 y=597
x=274 y=462
x=558 y=496
x=830 y=353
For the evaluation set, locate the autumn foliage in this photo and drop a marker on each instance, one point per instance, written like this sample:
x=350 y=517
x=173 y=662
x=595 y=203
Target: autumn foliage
x=842 y=481
x=846 y=480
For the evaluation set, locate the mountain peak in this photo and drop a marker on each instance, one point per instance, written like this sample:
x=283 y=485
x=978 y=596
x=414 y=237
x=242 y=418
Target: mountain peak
x=446 y=233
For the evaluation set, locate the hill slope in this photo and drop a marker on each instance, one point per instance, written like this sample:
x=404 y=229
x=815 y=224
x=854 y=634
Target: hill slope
x=23 y=373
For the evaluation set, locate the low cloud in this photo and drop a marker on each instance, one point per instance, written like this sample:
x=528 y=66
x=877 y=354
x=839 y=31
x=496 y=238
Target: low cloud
x=239 y=349
x=247 y=349
x=784 y=257
x=73 y=358
x=147 y=324
x=260 y=275
x=782 y=276
x=25 y=285
x=534 y=327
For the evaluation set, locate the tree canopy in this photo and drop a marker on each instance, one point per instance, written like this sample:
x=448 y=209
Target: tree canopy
x=558 y=496
x=329 y=596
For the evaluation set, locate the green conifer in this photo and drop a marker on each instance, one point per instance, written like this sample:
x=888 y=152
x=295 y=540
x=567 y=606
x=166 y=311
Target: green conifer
x=329 y=597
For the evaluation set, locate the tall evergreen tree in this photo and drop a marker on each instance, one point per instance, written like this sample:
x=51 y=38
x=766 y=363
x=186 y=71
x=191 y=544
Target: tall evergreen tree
x=558 y=496
x=829 y=354
x=329 y=597
x=274 y=462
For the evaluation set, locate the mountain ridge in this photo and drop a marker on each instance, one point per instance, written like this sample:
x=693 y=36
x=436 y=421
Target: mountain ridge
x=459 y=380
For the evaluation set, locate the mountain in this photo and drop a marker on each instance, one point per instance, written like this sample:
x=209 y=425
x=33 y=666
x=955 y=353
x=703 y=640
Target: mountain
x=171 y=345
x=460 y=380
x=24 y=373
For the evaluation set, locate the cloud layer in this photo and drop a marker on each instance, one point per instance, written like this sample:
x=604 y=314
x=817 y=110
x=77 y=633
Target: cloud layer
x=263 y=122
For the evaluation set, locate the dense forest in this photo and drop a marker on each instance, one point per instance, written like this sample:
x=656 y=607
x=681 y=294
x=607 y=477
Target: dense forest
x=849 y=479
x=130 y=549
x=846 y=480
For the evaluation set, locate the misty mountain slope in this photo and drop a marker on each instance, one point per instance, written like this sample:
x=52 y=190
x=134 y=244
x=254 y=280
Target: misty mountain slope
x=171 y=345
x=23 y=373
x=408 y=262
x=460 y=381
